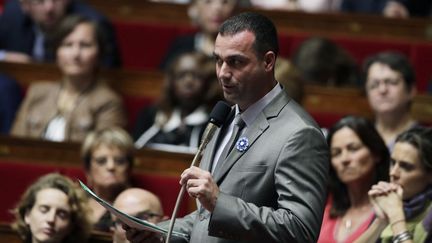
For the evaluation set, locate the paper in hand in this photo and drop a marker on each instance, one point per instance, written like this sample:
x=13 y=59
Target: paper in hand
x=129 y=220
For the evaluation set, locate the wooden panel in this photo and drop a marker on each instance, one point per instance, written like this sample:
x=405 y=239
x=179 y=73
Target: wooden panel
x=10 y=236
x=148 y=84
x=68 y=154
x=286 y=21
x=133 y=83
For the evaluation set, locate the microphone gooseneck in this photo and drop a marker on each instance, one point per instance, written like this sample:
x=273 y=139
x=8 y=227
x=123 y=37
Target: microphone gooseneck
x=217 y=117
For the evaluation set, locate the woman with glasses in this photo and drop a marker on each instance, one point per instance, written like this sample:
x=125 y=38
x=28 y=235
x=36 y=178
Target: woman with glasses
x=108 y=162
x=138 y=203
x=180 y=116
x=390 y=88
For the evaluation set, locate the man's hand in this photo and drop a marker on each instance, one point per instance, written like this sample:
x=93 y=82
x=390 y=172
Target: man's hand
x=139 y=236
x=200 y=185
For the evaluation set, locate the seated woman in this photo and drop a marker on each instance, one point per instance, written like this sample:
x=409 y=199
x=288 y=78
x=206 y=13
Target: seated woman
x=180 y=117
x=359 y=159
x=108 y=162
x=404 y=205
x=81 y=102
x=53 y=209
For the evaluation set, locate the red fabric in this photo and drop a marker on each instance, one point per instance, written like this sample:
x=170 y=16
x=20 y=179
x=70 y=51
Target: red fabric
x=143 y=45
x=15 y=177
x=329 y=227
x=134 y=105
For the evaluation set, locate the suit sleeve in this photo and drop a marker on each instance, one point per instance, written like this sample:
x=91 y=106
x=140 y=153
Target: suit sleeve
x=300 y=178
x=183 y=225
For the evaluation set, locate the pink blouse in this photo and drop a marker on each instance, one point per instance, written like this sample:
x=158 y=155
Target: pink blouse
x=330 y=227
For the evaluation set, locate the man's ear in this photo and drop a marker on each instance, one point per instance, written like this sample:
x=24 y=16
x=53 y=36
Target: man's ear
x=269 y=61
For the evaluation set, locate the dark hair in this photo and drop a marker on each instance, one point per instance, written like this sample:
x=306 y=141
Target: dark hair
x=266 y=38
x=369 y=136
x=421 y=139
x=321 y=61
x=66 y=26
x=397 y=62
x=207 y=73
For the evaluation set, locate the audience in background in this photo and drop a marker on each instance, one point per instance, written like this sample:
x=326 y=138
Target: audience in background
x=138 y=203
x=389 y=8
x=290 y=78
x=206 y=16
x=321 y=61
x=404 y=205
x=10 y=99
x=26 y=24
x=302 y=5
x=359 y=159
x=390 y=88
x=180 y=116
x=108 y=162
x=80 y=102
x=54 y=210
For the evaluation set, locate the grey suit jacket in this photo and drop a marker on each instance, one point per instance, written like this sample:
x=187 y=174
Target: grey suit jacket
x=275 y=190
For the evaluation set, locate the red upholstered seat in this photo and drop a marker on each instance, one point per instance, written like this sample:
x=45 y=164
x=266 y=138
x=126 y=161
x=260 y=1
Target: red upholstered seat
x=16 y=176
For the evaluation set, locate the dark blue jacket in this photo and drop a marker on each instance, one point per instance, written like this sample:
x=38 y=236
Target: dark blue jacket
x=10 y=99
x=17 y=30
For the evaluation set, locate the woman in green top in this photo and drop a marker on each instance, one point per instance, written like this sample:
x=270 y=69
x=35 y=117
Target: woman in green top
x=403 y=206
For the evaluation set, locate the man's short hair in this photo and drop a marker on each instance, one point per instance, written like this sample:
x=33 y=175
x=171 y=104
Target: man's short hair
x=266 y=38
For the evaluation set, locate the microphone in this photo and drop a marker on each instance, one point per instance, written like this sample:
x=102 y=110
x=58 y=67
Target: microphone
x=217 y=117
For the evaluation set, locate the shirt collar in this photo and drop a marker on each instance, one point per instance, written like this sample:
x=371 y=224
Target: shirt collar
x=251 y=113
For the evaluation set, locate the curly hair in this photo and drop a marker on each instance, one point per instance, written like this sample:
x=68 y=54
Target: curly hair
x=81 y=225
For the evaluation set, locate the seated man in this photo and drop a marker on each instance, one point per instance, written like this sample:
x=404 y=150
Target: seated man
x=25 y=26
x=139 y=203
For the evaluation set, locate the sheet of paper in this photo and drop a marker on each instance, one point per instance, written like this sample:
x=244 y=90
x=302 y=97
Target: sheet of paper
x=129 y=220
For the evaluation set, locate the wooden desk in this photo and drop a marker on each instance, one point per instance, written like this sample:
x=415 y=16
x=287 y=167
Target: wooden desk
x=148 y=84
x=286 y=21
x=7 y=234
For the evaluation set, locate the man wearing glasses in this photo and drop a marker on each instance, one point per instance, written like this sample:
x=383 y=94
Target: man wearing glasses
x=139 y=203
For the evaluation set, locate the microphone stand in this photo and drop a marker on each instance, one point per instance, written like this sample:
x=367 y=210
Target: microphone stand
x=209 y=132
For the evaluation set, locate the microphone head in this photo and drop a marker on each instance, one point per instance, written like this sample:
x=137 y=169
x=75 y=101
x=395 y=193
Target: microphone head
x=219 y=113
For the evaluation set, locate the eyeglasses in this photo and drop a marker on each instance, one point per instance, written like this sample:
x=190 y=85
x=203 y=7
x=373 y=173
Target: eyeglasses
x=118 y=161
x=145 y=215
x=187 y=73
x=376 y=83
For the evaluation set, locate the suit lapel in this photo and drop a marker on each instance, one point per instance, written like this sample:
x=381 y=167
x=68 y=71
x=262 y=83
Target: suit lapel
x=252 y=133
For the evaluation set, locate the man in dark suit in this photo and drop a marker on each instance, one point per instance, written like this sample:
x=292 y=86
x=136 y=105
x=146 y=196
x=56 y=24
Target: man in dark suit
x=271 y=186
x=25 y=25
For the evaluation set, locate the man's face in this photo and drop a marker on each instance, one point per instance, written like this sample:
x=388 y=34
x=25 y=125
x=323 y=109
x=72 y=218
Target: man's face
x=240 y=73
x=45 y=13
x=386 y=90
x=138 y=205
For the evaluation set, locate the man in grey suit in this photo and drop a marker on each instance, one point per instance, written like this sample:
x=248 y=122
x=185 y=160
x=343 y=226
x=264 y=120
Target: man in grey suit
x=271 y=186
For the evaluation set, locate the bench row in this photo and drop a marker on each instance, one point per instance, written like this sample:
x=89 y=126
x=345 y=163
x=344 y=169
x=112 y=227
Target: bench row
x=22 y=161
x=140 y=88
